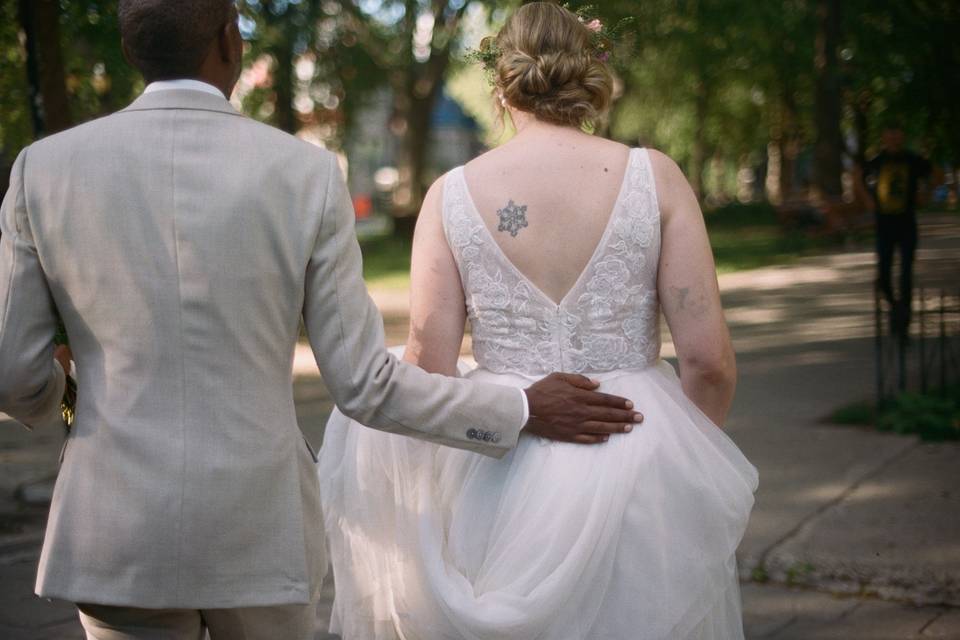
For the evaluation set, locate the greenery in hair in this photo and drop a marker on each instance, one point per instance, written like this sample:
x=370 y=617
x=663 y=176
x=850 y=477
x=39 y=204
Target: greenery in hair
x=603 y=38
x=486 y=55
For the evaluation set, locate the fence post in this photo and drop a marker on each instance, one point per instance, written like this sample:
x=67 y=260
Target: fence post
x=900 y=340
x=922 y=342
x=878 y=344
x=943 y=344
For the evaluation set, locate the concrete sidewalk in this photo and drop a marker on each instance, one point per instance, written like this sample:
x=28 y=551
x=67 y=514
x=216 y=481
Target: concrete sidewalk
x=855 y=534
x=863 y=525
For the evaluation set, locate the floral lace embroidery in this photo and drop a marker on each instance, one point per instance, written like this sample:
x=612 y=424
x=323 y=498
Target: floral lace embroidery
x=609 y=319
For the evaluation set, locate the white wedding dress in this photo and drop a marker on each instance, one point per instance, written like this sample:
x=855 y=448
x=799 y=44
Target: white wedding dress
x=631 y=539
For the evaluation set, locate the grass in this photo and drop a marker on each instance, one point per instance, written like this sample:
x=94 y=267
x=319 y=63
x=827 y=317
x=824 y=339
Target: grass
x=386 y=262
x=749 y=236
x=933 y=416
x=743 y=236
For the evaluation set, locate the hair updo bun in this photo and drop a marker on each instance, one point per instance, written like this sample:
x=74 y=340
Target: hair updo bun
x=547 y=66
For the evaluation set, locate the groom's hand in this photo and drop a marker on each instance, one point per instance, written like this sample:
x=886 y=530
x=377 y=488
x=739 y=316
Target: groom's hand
x=566 y=407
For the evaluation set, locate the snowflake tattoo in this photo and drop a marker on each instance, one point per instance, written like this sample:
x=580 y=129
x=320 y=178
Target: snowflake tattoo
x=513 y=217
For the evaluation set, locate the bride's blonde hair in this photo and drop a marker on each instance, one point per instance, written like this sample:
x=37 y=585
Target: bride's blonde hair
x=547 y=66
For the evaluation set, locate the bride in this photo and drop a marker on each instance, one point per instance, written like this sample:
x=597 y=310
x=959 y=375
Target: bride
x=560 y=248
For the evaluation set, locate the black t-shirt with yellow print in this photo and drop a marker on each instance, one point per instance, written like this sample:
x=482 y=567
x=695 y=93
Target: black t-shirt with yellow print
x=893 y=178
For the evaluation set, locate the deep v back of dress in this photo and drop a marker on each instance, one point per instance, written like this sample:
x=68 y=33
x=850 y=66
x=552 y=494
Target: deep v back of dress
x=607 y=321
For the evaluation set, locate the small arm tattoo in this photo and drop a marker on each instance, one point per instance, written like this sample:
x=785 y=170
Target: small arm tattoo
x=513 y=218
x=682 y=300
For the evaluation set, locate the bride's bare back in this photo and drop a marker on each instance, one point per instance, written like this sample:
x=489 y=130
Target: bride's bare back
x=546 y=198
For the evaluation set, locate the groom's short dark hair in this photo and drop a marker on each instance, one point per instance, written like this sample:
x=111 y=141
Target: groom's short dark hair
x=168 y=39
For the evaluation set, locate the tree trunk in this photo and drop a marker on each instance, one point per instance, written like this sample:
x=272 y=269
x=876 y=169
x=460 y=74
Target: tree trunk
x=415 y=113
x=40 y=20
x=283 y=35
x=789 y=144
x=414 y=103
x=283 y=114
x=828 y=101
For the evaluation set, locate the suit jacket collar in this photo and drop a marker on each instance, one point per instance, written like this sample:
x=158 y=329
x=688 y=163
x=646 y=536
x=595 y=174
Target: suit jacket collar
x=182 y=99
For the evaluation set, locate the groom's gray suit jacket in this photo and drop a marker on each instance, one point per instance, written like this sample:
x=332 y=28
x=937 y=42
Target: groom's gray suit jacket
x=181 y=243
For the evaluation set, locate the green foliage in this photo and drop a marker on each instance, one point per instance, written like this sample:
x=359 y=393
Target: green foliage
x=798 y=572
x=749 y=236
x=859 y=413
x=760 y=575
x=386 y=261
x=901 y=61
x=932 y=416
x=697 y=78
x=713 y=83
x=98 y=78
x=739 y=215
x=15 y=126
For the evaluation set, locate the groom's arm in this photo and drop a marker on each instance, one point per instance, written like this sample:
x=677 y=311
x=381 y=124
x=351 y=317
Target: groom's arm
x=370 y=385
x=31 y=381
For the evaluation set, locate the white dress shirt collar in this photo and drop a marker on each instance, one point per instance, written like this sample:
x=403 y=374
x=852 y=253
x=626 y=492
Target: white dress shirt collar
x=183 y=83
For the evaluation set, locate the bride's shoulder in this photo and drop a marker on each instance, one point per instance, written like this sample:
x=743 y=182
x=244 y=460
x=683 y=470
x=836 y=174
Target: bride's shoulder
x=431 y=210
x=667 y=173
x=673 y=188
x=662 y=163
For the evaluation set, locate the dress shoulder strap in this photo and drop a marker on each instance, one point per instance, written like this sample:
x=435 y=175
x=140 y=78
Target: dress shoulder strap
x=646 y=181
x=454 y=216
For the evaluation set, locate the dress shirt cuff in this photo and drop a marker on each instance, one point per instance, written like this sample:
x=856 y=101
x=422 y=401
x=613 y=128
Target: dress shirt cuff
x=526 y=409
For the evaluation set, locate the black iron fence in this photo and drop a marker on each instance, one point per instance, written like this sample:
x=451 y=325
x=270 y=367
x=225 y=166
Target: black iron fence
x=924 y=355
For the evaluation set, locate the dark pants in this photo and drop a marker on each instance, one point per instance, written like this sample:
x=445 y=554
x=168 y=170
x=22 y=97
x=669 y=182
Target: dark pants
x=895 y=232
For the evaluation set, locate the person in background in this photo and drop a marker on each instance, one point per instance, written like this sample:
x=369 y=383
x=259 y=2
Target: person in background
x=890 y=183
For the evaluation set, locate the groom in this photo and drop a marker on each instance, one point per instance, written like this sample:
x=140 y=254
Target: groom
x=181 y=243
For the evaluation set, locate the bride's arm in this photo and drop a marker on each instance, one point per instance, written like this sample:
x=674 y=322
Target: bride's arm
x=690 y=297
x=437 y=308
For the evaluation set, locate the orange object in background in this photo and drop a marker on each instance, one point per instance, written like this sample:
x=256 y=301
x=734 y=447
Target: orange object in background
x=363 y=206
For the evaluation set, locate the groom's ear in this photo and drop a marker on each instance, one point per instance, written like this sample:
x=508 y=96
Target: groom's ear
x=230 y=41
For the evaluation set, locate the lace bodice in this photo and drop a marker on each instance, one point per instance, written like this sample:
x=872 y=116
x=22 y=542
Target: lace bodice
x=609 y=318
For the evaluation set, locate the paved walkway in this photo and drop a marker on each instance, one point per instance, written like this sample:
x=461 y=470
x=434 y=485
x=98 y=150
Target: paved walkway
x=854 y=534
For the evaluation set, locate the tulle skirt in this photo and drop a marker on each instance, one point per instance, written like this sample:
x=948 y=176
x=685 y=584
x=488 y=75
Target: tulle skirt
x=631 y=539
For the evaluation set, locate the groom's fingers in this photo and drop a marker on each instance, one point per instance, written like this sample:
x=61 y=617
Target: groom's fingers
x=590 y=396
x=607 y=414
x=581 y=382
x=585 y=438
x=598 y=399
x=604 y=427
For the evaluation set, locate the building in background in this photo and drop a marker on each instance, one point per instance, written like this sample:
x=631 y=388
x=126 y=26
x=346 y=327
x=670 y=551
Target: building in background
x=371 y=149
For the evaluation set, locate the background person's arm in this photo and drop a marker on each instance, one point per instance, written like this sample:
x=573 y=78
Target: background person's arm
x=860 y=189
x=690 y=296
